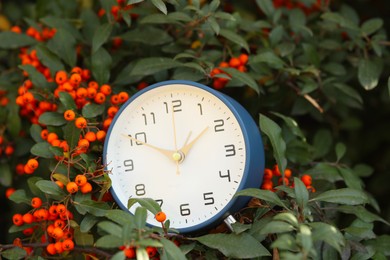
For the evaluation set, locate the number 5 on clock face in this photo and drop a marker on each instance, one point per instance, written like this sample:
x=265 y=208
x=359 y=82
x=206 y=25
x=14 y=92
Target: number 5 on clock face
x=188 y=147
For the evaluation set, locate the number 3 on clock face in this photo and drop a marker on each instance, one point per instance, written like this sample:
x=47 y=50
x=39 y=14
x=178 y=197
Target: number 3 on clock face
x=188 y=147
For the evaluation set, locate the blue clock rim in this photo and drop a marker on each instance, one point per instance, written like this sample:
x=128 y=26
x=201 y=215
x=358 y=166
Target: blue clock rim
x=246 y=182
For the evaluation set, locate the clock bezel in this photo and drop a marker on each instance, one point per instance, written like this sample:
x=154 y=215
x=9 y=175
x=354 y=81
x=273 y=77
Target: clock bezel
x=253 y=170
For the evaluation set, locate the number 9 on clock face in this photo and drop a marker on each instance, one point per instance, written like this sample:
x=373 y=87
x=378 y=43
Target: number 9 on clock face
x=188 y=147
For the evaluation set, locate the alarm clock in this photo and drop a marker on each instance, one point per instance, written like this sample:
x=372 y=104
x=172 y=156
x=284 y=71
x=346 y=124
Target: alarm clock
x=188 y=147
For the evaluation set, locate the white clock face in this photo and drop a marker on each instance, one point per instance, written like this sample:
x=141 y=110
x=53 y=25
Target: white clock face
x=181 y=146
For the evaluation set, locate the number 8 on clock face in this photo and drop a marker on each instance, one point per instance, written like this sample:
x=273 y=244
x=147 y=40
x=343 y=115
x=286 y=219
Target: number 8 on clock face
x=188 y=147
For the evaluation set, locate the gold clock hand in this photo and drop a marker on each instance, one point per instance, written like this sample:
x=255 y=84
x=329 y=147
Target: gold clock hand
x=186 y=148
x=167 y=153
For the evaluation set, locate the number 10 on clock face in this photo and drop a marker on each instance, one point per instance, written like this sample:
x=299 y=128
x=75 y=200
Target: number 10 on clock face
x=182 y=145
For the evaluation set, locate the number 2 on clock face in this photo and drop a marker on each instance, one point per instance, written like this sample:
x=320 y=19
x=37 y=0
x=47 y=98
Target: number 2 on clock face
x=181 y=146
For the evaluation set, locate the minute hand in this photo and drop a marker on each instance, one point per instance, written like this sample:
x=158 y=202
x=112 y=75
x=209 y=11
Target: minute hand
x=186 y=148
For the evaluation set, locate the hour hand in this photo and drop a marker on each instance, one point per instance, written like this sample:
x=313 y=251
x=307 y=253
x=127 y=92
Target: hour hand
x=167 y=153
x=186 y=148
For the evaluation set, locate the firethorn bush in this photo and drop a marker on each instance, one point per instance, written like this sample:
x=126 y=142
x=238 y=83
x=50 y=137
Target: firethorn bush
x=312 y=73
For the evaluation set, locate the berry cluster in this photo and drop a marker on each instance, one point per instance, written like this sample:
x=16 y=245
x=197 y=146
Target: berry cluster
x=118 y=10
x=220 y=77
x=274 y=177
x=80 y=183
x=53 y=219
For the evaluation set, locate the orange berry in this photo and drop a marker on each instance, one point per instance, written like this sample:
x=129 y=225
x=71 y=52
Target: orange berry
x=69 y=115
x=77 y=70
x=91 y=92
x=28 y=231
x=57 y=233
x=81 y=92
x=223 y=64
x=28 y=97
x=75 y=79
x=61 y=208
x=93 y=84
x=81 y=122
x=129 y=252
x=234 y=62
x=53 y=210
x=59 y=223
x=72 y=187
x=306 y=179
x=9 y=192
x=67 y=245
x=243 y=58
x=90 y=136
x=100 y=98
x=9 y=150
x=101 y=135
x=51 y=137
x=60 y=184
x=111 y=111
x=152 y=251
x=267 y=185
x=36 y=202
x=51 y=249
x=86 y=188
x=44 y=134
x=107 y=123
x=105 y=89
x=41 y=214
x=123 y=96
x=28 y=218
x=17 y=219
x=267 y=174
x=58 y=247
x=61 y=77
x=276 y=170
x=286 y=181
x=311 y=188
x=287 y=173
x=83 y=143
x=115 y=99
x=86 y=74
x=160 y=216
x=80 y=180
x=32 y=164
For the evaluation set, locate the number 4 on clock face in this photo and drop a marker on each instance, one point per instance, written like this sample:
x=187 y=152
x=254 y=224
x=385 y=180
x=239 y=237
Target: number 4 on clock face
x=188 y=147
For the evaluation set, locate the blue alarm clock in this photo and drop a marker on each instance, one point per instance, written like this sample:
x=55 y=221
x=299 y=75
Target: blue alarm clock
x=188 y=147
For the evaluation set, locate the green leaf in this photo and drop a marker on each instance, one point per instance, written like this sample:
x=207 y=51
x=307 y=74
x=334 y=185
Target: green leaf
x=369 y=72
x=322 y=143
x=20 y=196
x=350 y=179
x=36 y=77
x=101 y=64
x=67 y=100
x=340 y=20
x=101 y=35
x=286 y=242
x=329 y=234
x=147 y=203
x=160 y=6
x=49 y=59
x=274 y=134
x=242 y=77
x=150 y=66
x=140 y=217
x=92 y=110
x=287 y=217
x=268 y=57
x=275 y=227
x=52 y=119
x=83 y=239
x=371 y=26
x=51 y=188
x=171 y=250
x=266 y=6
x=304 y=237
x=88 y=222
x=109 y=241
x=301 y=193
x=33 y=187
x=345 y=196
x=362 y=213
x=234 y=37
x=381 y=244
x=292 y=125
x=110 y=228
x=35 y=132
x=14 y=253
x=212 y=22
x=119 y=216
x=71 y=135
x=42 y=149
x=340 y=150
x=147 y=35
x=265 y=195
x=63 y=44
x=234 y=245
x=5 y=175
x=297 y=19
x=98 y=209
x=120 y=255
x=11 y=40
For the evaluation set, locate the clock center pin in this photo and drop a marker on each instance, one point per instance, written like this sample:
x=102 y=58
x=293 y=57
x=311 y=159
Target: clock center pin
x=178 y=156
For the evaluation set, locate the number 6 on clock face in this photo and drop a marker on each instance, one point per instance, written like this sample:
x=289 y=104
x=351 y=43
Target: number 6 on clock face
x=188 y=147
